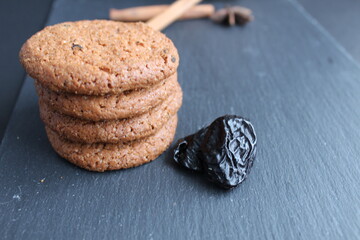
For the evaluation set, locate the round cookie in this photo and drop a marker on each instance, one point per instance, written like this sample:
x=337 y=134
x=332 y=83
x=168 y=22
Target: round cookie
x=99 y=57
x=112 y=131
x=104 y=156
x=109 y=107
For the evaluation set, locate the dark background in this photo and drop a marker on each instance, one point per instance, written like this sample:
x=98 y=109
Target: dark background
x=293 y=72
x=19 y=19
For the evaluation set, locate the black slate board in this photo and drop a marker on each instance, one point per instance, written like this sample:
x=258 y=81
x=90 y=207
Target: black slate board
x=15 y=28
x=283 y=71
x=340 y=18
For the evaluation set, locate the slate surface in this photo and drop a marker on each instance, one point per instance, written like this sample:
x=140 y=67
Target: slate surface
x=341 y=19
x=16 y=25
x=296 y=84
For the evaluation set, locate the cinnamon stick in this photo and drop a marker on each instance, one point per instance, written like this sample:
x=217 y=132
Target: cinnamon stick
x=173 y=12
x=145 y=13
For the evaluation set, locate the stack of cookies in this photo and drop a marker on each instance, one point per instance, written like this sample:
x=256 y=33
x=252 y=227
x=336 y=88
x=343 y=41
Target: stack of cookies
x=108 y=91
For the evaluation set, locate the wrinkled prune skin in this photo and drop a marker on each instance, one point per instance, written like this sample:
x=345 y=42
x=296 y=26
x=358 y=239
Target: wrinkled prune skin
x=187 y=150
x=224 y=151
x=228 y=150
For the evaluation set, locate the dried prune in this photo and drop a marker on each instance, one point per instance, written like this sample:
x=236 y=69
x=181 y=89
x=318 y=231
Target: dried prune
x=187 y=150
x=224 y=151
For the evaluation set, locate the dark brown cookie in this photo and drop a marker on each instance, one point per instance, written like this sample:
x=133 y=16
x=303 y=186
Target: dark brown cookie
x=112 y=131
x=99 y=57
x=109 y=107
x=105 y=156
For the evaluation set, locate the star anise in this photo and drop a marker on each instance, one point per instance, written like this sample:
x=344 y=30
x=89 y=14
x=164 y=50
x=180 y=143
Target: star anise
x=233 y=15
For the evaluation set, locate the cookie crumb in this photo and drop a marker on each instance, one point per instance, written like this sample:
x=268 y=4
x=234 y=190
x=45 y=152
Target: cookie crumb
x=17 y=197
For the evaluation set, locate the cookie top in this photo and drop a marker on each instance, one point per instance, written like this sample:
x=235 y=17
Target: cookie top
x=109 y=107
x=112 y=131
x=106 y=156
x=99 y=57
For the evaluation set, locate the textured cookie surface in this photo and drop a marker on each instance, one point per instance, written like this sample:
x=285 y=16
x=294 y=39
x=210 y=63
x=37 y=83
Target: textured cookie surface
x=102 y=157
x=112 y=131
x=109 y=107
x=99 y=57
